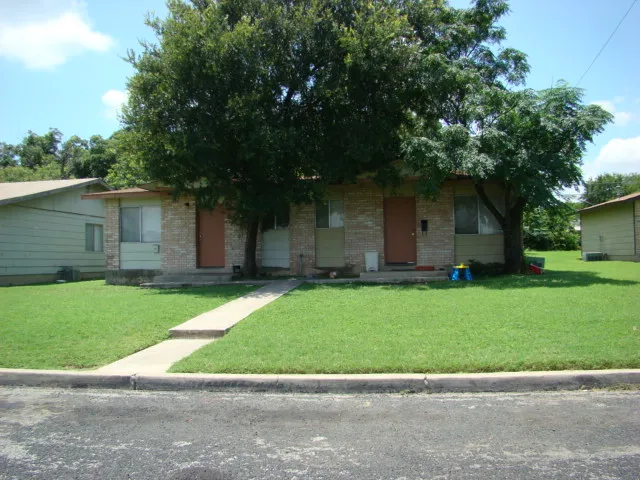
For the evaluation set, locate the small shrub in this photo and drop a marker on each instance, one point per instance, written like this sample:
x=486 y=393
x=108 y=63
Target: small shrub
x=480 y=269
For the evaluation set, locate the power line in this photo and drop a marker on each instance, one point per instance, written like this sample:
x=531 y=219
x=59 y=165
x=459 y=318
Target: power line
x=607 y=42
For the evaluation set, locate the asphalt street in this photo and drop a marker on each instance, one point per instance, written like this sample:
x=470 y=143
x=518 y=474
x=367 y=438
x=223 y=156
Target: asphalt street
x=87 y=434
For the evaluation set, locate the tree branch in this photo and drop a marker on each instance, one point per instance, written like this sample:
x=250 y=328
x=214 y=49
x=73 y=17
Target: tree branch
x=492 y=208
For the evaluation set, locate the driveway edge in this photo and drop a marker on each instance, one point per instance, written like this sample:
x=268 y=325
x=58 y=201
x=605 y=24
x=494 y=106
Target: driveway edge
x=369 y=383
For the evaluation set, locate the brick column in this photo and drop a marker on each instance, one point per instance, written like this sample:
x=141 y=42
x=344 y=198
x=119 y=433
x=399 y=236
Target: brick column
x=302 y=237
x=436 y=247
x=112 y=234
x=363 y=224
x=178 y=237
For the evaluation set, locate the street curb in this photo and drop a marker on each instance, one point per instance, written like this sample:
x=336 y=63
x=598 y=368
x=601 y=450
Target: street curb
x=531 y=381
x=63 y=379
x=366 y=383
x=283 y=383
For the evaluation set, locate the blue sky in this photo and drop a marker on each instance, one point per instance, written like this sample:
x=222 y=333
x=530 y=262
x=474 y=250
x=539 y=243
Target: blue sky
x=61 y=64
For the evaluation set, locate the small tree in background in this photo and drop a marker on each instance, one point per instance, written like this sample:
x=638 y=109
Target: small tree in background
x=551 y=228
x=609 y=186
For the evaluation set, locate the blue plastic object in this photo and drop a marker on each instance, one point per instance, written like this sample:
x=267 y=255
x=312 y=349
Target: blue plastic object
x=461 y=274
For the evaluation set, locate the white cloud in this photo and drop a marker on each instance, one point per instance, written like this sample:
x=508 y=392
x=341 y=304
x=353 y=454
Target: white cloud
x=620 y=155
x=620 y=119
x=43 y=34
x=113 y=101
x=608 y=105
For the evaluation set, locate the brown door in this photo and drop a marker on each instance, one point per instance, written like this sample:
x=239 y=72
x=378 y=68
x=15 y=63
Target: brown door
x=211 y=237
x=400 y=230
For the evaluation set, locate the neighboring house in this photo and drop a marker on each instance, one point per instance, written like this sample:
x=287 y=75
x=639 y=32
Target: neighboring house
x=613 y=228
x=45 y=227
x=148 y=233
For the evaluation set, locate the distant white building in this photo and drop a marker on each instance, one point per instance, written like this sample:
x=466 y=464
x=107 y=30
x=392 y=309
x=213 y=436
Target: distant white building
x=46 y=229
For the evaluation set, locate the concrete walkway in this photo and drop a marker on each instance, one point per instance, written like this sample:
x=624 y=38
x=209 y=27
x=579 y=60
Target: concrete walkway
x=197 y=332
x=217 y=322
x=156 y=359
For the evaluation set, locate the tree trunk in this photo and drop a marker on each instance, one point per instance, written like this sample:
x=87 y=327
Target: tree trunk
x=513 y=240
x=250 y=267
x=511 y=223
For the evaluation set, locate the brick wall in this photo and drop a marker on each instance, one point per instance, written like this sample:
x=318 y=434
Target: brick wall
x=436 y=247
x=363 y=224
x=234 y=242
x=112 y=233
x=364 y=231
x=302 y=239
x=178 y=237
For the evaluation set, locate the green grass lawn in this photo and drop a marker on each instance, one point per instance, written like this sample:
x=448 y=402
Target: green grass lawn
x=88 y=324
x=576 y=315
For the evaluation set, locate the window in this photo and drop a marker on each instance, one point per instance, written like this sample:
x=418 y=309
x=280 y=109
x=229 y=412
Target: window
x=330 y=214
x=140 y=224
x=277 y=221
x=93 y=240
x=466 y=212
x=472 y=216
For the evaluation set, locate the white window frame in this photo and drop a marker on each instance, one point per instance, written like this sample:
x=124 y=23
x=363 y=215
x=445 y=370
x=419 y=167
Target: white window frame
x=276 y=225
x=140 y=209
x=329 y=214
x=95 y=246
x=478 y=205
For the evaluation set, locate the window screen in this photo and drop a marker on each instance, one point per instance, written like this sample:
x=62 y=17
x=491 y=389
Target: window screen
x=330 y=214
x=93 y=241
x=466 y=214
x=88 y=237
x=130 y=224
x=488 y=222
x=336 y=214
x=150 y=224
x=98 y=238
x=322 y=215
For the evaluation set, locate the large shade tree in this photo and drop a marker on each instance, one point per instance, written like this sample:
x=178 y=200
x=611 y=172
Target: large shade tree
x=255 y=104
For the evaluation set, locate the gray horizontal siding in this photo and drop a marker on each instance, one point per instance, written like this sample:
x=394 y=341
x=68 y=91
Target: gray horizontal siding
x=275 y=248
x=38 y=241
x=481 y=248
x=139 y=256
x=609 y=230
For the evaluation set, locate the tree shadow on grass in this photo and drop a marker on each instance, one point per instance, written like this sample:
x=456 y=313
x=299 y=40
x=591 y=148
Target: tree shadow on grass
x=226 y=292
x=550 y=279
x=223 y=292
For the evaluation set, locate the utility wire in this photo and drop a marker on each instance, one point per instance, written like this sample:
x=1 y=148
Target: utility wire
x=607 y=42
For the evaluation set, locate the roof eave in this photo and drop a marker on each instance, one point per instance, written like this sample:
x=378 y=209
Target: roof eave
x=120 y=194
x=31 y=196
x=617 y=201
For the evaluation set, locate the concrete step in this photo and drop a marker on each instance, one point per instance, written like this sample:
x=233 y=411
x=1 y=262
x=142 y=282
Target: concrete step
x=403 y=274
x=193 y=277
x=398 y=268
